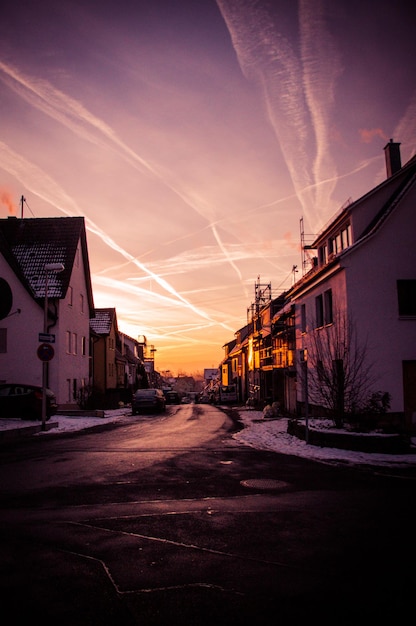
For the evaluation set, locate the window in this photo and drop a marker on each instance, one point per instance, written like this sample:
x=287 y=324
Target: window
x=319 y=311
x=303 y=318
x=3 y=340
x=70 y=296
x=324 y=309
x=324 y=254
x=328 y=307
x=71 y=341
x=68 y=342
x=83 y=346
x=406 y=291
x=338 y=246
x=81 y=302
x=345 y=237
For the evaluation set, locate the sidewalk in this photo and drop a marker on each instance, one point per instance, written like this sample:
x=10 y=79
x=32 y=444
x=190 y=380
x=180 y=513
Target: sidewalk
x=15 y=428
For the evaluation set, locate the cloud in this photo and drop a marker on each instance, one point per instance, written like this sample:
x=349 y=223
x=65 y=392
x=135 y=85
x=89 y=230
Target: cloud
x=406 y=128
x=6 y=199
x=367 y=134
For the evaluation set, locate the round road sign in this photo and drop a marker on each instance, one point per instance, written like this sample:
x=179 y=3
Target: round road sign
x=46 y=352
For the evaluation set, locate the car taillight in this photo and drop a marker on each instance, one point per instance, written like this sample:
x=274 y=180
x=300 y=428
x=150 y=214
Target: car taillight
x=38 y=395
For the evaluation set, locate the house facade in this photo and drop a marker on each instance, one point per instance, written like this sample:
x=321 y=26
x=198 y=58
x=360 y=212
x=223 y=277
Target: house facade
x=359 y=295
x=117 y=369
x=107 y=364
x=41 y=299
x=364 y=284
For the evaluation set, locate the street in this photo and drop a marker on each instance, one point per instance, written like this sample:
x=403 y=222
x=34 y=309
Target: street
x=170 y=520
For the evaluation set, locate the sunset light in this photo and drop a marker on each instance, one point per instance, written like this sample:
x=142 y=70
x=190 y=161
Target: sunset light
x=193 y=137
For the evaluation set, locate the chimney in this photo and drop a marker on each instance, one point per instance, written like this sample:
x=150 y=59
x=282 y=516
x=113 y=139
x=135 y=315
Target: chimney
x=393 y=160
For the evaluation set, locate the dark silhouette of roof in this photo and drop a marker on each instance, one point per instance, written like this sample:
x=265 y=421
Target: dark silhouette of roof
x=29 y=244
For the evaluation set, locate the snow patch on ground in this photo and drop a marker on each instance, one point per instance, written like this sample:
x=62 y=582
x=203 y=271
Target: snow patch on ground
x=258 y=432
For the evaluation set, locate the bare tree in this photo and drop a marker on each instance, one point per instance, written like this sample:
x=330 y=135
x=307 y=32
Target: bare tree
x=339 y=373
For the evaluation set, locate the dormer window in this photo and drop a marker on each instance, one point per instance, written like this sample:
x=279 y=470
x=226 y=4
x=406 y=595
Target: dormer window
x=335 y=244
x=346 y=237
x=323 y=254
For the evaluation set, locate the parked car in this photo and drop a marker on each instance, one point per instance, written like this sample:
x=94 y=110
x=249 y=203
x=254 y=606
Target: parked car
x=172 y=397
x=148 y=400
x=25 y=401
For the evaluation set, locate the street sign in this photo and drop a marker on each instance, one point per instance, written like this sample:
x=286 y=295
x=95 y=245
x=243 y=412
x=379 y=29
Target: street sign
x=46 y=338
x=45 y=352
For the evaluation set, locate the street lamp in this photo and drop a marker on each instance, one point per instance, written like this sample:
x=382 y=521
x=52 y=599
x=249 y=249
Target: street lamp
x=53 y=268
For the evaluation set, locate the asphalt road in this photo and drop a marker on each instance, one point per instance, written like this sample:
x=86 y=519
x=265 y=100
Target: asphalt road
x=170 y=521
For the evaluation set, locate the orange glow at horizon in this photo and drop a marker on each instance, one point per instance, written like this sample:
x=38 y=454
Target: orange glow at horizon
x=193 y=138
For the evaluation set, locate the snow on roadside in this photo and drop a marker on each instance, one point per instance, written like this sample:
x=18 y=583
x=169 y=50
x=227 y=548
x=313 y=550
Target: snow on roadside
x=271 y=434
x=259 y=433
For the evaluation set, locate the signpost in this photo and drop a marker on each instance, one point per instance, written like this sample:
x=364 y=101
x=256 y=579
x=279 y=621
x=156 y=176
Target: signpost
x=45 y=352
x=46 y=338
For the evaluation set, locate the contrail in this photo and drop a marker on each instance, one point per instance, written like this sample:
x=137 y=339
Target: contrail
x=46 y=188
x=321 y=69
x=74 y=116
x=297 y=86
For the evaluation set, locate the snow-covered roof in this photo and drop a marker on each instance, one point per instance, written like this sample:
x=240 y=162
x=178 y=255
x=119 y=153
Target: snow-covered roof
x=30 y=244
x=102 y=322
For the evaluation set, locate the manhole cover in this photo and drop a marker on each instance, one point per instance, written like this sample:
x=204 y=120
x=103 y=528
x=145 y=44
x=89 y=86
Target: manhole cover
x=263 y=483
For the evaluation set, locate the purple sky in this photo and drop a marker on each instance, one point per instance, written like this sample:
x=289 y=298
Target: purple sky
x=193 y=137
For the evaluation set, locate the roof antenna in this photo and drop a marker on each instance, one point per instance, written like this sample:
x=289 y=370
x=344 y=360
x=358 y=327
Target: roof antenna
x=22 y=200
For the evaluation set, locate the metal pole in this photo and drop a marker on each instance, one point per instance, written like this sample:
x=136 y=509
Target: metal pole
x=44 y=363
x=305 y=365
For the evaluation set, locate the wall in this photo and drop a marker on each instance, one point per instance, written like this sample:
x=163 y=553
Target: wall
x=21 y=363
x=69 y=366
x=373 y=270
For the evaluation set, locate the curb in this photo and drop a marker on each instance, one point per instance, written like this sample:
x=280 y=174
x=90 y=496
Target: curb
x=12 y=434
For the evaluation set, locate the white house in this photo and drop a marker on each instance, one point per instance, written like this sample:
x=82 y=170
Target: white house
x=27 y=248
x=365 y=269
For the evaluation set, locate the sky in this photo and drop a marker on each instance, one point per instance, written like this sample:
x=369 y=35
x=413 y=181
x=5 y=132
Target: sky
x=195 y=138
x=257 y=432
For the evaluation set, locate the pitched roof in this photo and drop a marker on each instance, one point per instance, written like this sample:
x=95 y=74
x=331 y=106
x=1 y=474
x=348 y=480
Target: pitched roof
x=29 y=244
x=103 y=320
x=398 y=185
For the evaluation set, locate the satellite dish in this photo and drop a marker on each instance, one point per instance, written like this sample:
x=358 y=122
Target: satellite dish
x=6 y=298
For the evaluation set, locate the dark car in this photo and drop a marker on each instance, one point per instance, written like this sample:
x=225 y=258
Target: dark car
x=148 y=400
x=172 y=397
x=25 y=401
